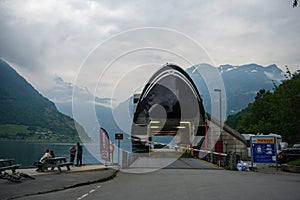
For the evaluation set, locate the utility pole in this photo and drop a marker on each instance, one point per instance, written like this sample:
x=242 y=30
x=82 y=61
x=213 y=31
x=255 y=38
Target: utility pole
x=220 y=101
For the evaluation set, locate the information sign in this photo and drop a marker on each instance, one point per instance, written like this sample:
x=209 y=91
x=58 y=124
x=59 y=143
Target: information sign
x=118 y=136
x=263 y=149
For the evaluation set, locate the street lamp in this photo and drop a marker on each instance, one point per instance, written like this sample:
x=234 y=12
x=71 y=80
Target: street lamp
x=221 y=140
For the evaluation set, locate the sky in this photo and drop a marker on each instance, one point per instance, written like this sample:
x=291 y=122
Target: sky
x=106 y=45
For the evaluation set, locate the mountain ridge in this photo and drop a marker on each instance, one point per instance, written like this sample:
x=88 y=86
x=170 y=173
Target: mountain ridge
x=27 y=114
x=241 y=83
x=240 y=91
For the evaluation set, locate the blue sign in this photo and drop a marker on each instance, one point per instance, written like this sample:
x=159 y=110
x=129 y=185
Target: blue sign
x=263 y=149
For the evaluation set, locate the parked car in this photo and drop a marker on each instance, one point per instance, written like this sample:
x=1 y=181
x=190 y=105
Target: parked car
x=288 y=155
x=296 y=145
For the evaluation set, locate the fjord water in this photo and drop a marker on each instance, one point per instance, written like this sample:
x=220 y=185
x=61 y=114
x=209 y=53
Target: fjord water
x=26 y=153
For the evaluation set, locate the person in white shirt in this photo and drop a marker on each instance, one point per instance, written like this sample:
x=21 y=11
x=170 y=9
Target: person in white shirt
x=46 y=155
x=43 y=160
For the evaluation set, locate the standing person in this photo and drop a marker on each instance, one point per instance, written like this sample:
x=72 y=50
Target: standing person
x=79 y=155
x=72 y=151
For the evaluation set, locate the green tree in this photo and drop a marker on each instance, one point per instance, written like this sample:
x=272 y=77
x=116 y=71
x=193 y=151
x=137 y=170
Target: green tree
x=295 y=4
x=273 y=112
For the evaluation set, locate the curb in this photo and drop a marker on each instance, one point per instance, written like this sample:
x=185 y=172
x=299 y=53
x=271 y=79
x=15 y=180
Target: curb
x=290 y=168
x=113 y=175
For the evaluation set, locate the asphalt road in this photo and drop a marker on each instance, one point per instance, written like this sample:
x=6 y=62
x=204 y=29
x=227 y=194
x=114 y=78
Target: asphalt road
x=153 y=163
x=185 y=184
x=190 y=163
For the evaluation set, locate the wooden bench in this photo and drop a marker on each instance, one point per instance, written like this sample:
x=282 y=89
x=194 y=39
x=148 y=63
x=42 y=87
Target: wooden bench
x=6 y=161
x=7 y=164
x=66 y=164
x=14 y=176
x=10 y=167
x=53 y=163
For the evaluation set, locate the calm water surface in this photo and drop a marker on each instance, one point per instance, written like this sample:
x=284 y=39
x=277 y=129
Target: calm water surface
x=26 y=153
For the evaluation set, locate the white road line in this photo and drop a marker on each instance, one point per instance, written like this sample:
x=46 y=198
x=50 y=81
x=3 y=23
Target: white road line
x=90 y=192
x=83 y=196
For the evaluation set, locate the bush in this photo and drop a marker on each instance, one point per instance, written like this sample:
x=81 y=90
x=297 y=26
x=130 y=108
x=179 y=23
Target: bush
x=295 y=162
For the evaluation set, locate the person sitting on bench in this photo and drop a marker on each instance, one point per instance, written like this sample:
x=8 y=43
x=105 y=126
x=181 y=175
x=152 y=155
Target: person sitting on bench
x=43 y=160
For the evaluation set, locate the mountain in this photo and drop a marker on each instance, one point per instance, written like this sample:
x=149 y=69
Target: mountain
x=26 y=114
x=62 y=95
x=241 y=83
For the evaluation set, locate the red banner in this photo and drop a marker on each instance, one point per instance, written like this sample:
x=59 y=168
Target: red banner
x=104 y=144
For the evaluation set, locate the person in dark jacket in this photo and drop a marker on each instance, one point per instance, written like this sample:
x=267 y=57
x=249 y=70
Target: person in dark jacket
x=52 y=154
x=79 y=155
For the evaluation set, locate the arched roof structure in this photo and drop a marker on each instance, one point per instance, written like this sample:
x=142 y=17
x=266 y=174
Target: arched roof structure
x=170 y=96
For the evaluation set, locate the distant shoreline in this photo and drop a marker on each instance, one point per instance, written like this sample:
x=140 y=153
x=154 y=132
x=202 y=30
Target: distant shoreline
x=40 y=141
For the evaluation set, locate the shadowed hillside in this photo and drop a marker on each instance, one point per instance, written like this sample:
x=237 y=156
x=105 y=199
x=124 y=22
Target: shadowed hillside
x=26 y=114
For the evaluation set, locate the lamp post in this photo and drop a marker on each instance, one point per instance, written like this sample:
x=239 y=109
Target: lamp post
x=221 y=140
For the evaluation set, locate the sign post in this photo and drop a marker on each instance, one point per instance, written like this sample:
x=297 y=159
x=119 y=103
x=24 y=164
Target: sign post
x=119 y=136
x=263 y=150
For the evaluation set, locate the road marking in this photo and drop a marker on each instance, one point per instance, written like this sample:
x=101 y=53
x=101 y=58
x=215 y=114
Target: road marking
x=90 y=192
x=83 y=196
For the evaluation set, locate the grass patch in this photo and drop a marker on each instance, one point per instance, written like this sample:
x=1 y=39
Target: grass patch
x=295 y=162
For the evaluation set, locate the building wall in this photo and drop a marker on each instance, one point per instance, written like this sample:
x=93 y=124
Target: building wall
x=230 y=143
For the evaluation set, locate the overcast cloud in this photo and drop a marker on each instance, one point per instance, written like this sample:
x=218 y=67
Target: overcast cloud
x=47 y=38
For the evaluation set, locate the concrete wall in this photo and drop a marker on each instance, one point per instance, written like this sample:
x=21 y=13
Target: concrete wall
x=230 y=143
